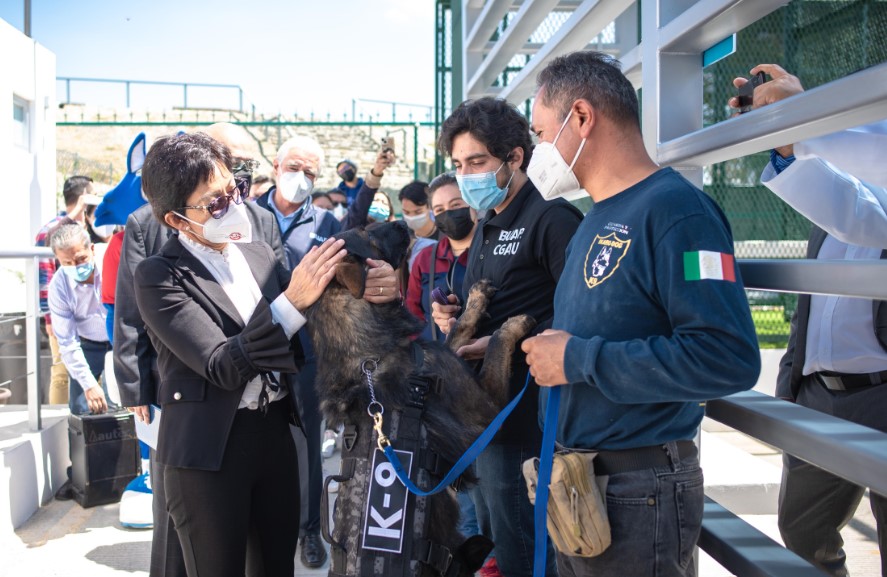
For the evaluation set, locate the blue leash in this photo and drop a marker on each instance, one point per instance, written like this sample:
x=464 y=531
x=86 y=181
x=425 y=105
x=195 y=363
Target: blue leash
x=540 y=511
x=545 y=461
x=466 y=459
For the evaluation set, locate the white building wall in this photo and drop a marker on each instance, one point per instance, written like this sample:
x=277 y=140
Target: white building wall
x=27 y=161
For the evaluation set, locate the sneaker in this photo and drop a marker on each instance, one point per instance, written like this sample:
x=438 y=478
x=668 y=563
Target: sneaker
x=490 y=569
x=65 y=492
x=328 y=447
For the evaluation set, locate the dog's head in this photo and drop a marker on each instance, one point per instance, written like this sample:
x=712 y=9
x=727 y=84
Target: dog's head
x=387 y=241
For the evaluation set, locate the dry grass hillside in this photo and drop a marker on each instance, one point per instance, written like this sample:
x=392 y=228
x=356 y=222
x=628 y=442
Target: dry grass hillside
x=100 y=150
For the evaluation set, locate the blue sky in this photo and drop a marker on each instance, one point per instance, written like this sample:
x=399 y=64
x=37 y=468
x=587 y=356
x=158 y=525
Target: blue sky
x=296 y=55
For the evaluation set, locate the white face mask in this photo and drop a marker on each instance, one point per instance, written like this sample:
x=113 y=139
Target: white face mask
x=233 y=227
x=416 y=222
x=549 y=172
x=295 y=187
x=339 y=212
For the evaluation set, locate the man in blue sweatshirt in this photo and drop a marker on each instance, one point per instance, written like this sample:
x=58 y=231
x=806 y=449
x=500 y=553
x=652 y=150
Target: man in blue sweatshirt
x=650 y=317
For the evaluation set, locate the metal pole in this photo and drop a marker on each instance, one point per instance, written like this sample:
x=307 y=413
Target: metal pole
x=32 y=342
x=127 y=94
x=186 y=95
x=353 y=108
x=416 y=151
x=28 y=18
x=67 y=91
x=393 y=112
x=240 y=90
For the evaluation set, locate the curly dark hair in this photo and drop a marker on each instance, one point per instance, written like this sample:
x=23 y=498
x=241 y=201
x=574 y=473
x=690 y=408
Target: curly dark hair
x=492 y=121
x=592 y=76
x=176 y=165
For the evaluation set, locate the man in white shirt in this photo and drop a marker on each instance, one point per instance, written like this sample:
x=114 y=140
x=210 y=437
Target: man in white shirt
x=836 y=361
x=78 y=318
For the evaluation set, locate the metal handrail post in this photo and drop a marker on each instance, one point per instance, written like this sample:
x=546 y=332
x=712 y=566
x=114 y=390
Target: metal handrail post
x=32 y=344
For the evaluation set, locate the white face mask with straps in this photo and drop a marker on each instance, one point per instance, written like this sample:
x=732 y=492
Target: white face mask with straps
x=550 y=173
x=295 y=187
x=234 y=226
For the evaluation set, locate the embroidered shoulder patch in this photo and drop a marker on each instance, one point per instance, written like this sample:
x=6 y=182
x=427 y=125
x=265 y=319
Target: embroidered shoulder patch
x=706 y=264
x=603 y=258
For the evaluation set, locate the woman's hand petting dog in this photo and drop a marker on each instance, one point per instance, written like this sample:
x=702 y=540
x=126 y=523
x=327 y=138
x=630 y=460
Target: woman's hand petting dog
x=315 y=271
x=444 y=316
x=381 y=283
x=545 y=355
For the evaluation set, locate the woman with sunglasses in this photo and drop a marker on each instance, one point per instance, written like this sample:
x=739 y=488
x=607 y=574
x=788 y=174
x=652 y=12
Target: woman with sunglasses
x=223 y=315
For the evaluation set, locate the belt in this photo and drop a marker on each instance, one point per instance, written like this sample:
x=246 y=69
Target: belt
x=613 y=462
x=842 y=382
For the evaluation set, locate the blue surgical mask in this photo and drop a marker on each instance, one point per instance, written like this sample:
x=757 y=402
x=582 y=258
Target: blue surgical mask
x=481 y=191
x=79 y=272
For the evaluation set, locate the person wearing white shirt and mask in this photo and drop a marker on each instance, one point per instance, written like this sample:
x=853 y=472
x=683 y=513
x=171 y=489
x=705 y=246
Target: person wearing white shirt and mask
x=223 y=314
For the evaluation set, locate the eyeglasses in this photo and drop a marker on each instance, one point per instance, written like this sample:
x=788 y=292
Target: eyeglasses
x=218 y=207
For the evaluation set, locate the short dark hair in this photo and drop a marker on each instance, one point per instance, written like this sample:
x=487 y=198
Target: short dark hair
x=320 y=194
x=176 y=165
x=492 y=121
x=416 y=192
x=336 y=191
x=592 y=76
x=74 y=188
x=440 y=181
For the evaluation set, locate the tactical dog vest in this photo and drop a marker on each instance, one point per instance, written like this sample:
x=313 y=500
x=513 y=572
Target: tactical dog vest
x=380 y=527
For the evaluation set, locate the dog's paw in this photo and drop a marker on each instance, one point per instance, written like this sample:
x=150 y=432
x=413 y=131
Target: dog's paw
x=482 y=289
x=516 y=328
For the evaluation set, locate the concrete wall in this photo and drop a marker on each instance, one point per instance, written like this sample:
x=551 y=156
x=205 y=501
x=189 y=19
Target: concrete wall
x=28 y=170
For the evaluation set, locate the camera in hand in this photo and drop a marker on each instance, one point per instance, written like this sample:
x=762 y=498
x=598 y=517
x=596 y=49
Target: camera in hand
x=746 y=92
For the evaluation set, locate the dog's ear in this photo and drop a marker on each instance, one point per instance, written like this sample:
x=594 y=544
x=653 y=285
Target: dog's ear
x=351 y=273
x=472 y=553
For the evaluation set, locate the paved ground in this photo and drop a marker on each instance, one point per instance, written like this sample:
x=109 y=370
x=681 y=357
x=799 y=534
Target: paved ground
x=64 y=540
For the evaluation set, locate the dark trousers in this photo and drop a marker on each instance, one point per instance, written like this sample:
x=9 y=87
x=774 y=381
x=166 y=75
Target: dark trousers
x=815 y=505
x=655 y=518
x=503 y=508
x=312 y=478
x=214 y=511
x=166 y=551
x=94 y=352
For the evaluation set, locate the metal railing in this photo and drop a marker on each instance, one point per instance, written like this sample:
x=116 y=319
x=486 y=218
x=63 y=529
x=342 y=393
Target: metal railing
x=129 y=83
x=32 y=257
x=668 y=66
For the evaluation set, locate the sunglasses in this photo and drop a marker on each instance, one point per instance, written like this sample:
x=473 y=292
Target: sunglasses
x=218 y=207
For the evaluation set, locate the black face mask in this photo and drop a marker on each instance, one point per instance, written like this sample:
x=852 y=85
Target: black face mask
x=348 y=174
x=455 y=223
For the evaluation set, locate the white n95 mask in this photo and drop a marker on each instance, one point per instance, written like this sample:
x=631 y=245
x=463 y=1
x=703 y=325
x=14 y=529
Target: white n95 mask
x=295 y=186
x=550 y=173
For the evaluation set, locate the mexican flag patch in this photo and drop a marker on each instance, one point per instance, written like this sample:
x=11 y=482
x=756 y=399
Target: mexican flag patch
x=705 y=264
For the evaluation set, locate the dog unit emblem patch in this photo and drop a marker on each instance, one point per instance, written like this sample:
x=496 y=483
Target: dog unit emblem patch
x=603 y=258
x=386 y=512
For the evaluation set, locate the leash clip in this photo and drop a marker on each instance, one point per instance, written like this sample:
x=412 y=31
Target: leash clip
x=369 y=366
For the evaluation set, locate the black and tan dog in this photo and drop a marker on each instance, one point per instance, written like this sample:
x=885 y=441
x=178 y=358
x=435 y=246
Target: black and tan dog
x=346 y=331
